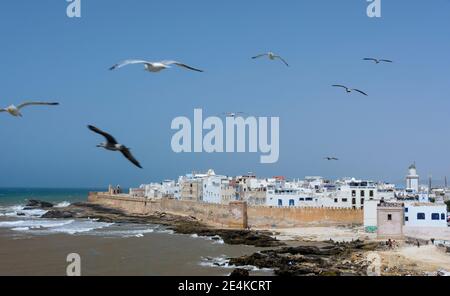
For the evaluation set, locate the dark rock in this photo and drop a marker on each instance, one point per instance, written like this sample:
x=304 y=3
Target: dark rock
x=311 y=258
x=239 y=272
x=58 y=215
x=37 y=204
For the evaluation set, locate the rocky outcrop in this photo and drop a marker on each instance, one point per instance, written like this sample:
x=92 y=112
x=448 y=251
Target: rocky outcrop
x=37 y=204
x=58 y=215
x=239 y=272
x=318 y=259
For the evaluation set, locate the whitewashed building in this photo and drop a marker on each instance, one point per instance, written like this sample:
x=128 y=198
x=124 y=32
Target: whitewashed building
x=425 y=215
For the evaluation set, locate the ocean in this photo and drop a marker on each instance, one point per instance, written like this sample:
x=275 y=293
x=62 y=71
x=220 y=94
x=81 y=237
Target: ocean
x=30 y=245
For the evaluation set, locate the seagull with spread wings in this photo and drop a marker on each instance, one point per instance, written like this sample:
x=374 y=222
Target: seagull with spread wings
x=349 y=90
x=15 y=110
x=112 y=145
x=377 y=61
x=153 y=67
x=272 y=56
x=331 y=158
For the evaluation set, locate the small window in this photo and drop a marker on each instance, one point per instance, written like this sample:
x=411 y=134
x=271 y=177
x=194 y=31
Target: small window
x=442 y=216
x=420 y=216
x=435 y=216
x=371 y=193
x=344 y=200
x=336 y=200
x=406 y=219
x=280 y=202
x=363 y=193
x=353 y=193
x=291 y=202
x=406 y=210
x=389 y=217
x=362 y=201
x=302 y=199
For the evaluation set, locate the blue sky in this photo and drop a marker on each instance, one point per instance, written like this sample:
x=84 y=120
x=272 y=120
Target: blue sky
x=46 y=55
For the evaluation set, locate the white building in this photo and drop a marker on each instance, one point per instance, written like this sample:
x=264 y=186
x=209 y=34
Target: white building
x=370 y=215
x=217 y=189
x=425 y=215
x=412 y=180
x=170 y=188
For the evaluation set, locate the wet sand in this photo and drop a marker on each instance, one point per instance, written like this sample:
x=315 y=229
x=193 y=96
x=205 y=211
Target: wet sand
x=155 y=254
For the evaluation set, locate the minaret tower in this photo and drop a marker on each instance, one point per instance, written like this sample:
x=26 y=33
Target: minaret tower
x=412 y=180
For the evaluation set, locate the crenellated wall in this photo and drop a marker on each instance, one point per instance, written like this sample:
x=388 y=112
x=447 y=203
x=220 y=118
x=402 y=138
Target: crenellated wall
x=234 y=215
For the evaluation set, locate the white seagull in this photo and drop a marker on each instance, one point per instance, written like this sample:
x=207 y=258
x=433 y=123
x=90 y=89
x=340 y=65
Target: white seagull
x=153 y=66
x=349 y=90
x=112 y=145
x=15 y=110
x=377 y=61
x=272 y=56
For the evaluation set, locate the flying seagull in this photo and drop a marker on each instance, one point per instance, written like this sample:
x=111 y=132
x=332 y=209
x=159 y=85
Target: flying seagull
x=271 y=56
x=349 y=90
x=233 y=114
x=331 y=158
x=112 y=145
x=377 y=61
x=153 y=66
x=15 y=110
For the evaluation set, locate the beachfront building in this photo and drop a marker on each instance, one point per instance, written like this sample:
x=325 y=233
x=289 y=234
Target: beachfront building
x=171 y=189
x=251 y=189
x=217 y=189
x=191 y=187
x=390 y=220
x=346 y=193
x=283 y=197
x=425 y=215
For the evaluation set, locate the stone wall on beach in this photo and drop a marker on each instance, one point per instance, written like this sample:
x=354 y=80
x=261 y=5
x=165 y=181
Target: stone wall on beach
x=234 y=215
x=270 y=217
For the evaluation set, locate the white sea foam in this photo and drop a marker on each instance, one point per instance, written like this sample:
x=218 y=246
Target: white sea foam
x=18 y=210
x=63 y=204
x=125 y=233
x=43 y=226
x=35 y=224
x=21 y=229
x=224 y=262
x=80 y=227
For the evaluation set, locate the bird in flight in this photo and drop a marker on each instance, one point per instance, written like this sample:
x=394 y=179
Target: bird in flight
x=349 y=90
x=112 y=145
x=233 y=114
x=15 y=110
x=377 y=61
x=272 y=56
x=153 y=66
x=331 y=158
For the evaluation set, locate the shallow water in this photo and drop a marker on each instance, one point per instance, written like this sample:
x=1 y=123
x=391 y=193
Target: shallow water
x=30 y=245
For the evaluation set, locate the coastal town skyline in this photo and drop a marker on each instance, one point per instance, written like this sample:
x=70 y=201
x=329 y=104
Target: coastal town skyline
x=325 y=43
